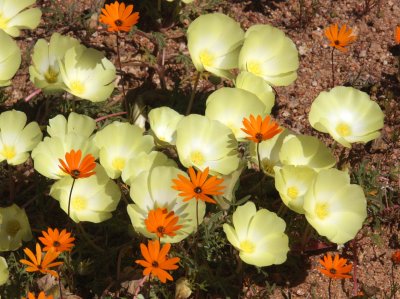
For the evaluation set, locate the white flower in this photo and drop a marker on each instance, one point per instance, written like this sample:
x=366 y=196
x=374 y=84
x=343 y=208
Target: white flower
x=14 y=16
x=292 y=183
x=45 y=71
x=16 y=139
x=202 y=142
x=347 y=114
x=214 y=42
x=258 y=235
x=163 y=122
x=230 y=105
x=93 y=199
x=10 y=58
x=4 y=273
x=306 y=150
x=152 y=189
x=119 y=142
x=334 y=207
x=14 y=228
x=87 y=74
x=268 y=53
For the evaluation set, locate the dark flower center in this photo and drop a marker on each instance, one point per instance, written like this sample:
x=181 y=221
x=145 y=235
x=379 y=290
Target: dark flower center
x=333 y=271
x=75 y=173
x=39 y=267
x=197 y=190
x=336 y=42
x=259 y=136
x=155 y=264
x=118 y=22
x=161 y=229
x=56 y=244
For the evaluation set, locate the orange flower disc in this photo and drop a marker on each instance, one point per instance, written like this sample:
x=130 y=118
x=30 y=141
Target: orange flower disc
x=259 y=129
x=118 y=17
x=75 y=167
x=58 y=241
x=336 y=268
x=199 y=186
x=162 y=223
x=339 y=39
x=156 y=261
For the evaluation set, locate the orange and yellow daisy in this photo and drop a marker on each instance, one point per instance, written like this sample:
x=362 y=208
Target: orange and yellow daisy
x=75 y=167
x=58 y=241
x=335 y=268
x=397 y=35
x=156 y=261
x=118 y=17
x=162 y=223
x=41 y=295
x=199 y=186
x=39 y=264
x=339 y=38
x=259 y=129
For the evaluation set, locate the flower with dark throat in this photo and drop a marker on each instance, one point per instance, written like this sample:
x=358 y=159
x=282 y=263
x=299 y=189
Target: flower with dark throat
x=156 y=262
x=336 y=268
x=59 y=241
x=162 y=223
x=260 y=130
x=118 y=17
x=339 y=38
x=199 y=186
x=77 y=168
x=41 y=264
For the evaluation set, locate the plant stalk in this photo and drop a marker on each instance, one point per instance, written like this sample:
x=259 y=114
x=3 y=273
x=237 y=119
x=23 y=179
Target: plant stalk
x=196 y=82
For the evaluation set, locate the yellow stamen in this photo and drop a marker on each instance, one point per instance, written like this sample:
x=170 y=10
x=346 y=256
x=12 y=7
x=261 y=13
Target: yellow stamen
x=3 y=22
x=343 y=129
x=8 y=152
x=206 y=58
x=321 y=210
x=197 y=158
x=78 y=203
x=77 y=87
x=293 y=192
x=247 y=246
x=118 y=163
x=255 y=68
x=51 y=75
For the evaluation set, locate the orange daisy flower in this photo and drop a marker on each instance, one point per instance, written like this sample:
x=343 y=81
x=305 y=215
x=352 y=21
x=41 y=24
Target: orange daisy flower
x=336 y=268
x=37 y=264
x=397 y=35
x=59 y=242
x=156 y=261
x=199 y=186
x=118 y=17
x=77 y=168
x=160 y=222
x=259 y=129
x=41 y=295
x=339 y=38
x=396 y=257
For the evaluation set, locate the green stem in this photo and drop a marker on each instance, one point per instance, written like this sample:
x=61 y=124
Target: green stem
x=329 y=288
x=196 y=82
x=69 y=197
x=260 y=169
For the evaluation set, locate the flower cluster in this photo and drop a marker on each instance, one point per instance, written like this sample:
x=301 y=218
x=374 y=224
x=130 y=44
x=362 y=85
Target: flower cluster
x=175 y=164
